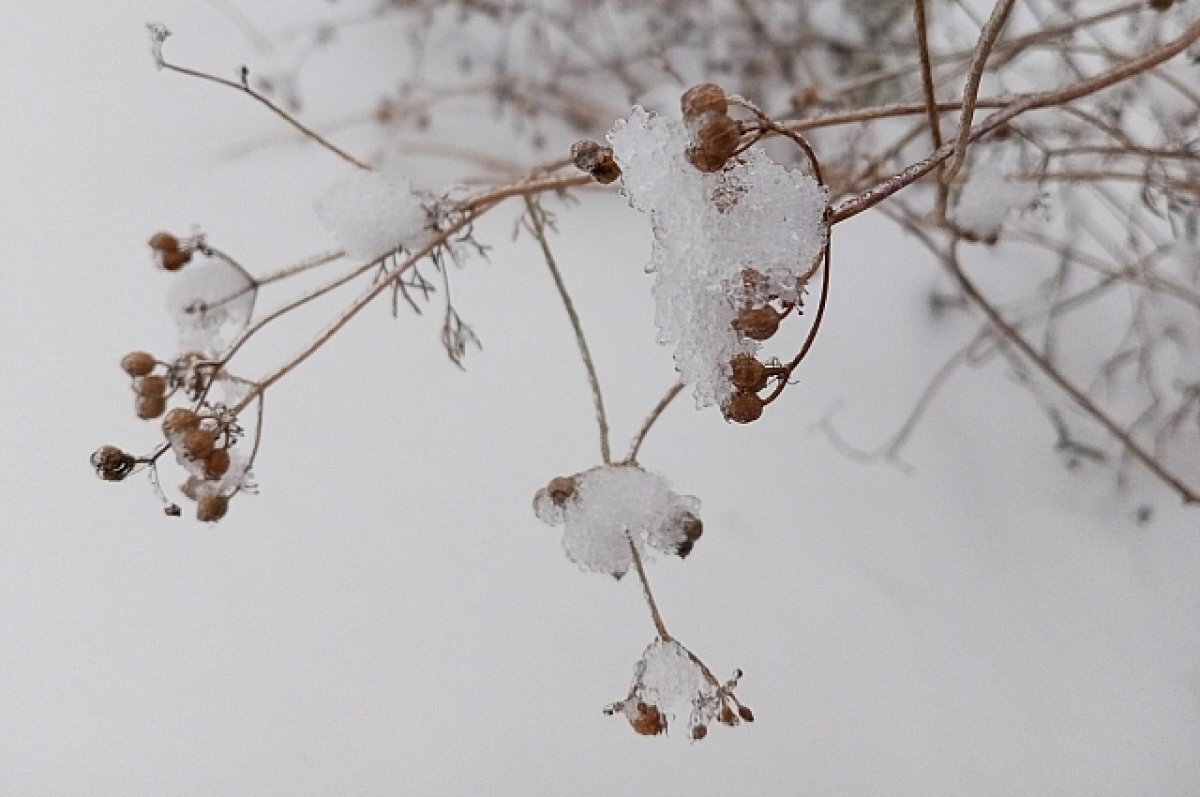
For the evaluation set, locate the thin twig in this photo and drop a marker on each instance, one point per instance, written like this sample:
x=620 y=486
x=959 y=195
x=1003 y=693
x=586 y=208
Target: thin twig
x=655 y=616
x=636 y=445
x=537 y=226
x=931 y=113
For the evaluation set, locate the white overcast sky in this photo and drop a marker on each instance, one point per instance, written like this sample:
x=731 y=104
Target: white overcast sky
x=387 y=617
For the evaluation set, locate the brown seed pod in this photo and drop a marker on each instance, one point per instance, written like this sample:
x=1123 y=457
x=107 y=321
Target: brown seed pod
x=649 y=721
x=745 y=713
x=598 y=161
x=692 y=526
x=150 y=407
x=727 y=716
x=699 y=731
x=198 y=443
x=743 y=408
x=757 y=323
x=211 y=508
x=747 y=374
x=112 y=464
x=164 y=242
x=179 y=421
x=561 y=489
x=137 y=363
x=216 y=464
x=706 y=98
x=173 y=261
x=715 y=144
x=152 y=385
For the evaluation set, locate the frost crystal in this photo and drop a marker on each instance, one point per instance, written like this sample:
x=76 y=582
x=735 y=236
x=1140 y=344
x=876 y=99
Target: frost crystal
x=611 y=502
x=158 y=34
x=753 y=214
x=988 y=195
x=374 y=213
x=211 y=302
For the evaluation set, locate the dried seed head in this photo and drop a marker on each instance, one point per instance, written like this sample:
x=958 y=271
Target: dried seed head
x=216 y=464
x=699 y=731
x=747 y=374
x=179 y=421
x=745 y=713
x=598 y=161
x=111 y=463
x=137 y=363
x=706 y=98
x=152 y=385
x=164 y=242
x=198 y=443
x=691 y=525
x=743 y=408
x=716 y=142
x=560 y=489
x=211 y=508
x=173 y=261
x=149 y=407
x=648 y=721
x=727 y=716
x=757 y=323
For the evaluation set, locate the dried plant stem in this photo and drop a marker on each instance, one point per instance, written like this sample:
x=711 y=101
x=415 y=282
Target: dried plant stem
x=655 y=616
x=873 y=196
x=931 y=112
x=537 y=225
x=636 y=445
x=949 y=257
x=245 y=88
x=987 y=38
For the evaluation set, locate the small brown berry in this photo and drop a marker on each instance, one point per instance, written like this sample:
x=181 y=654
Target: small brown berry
x=649 y=721
x=699 y=731
x=598 y=161
x=180 y=421
x=747 y=374
x=173 y=261
x=112 y=464
x=150 y=407
x=757 y=323
x=743 y=408
x=715 y=144
x=745 y=713
x=164 y=242
x=560 y=489
x=211 y=508
x=137 y=363
x=692 y=526
x=152 y=385
x=198 y=443
x=706 y=98
x=216 y=464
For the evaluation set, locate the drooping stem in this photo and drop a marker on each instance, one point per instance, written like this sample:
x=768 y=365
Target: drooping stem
x=537 y=226
x=655 y=616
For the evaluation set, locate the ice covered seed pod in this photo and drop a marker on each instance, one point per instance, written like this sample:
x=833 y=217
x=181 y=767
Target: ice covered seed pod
x=757 y=323
x=179 y=421
x=743 y=408
x=648 y=720
x=199 y=443
x=715 y=143
x=211 y=508
x=596 y=160
x=747 y=374
x=149 y=407
x=702 y=100
x=111 y=463
x=216 y=464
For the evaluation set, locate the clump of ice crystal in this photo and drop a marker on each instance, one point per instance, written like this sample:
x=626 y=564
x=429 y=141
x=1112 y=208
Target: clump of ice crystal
x=604 y=508
x=376 y=212
x=708 y=227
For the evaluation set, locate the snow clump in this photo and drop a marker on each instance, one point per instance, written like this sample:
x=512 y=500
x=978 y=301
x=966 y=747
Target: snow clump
x=708 y=227
x=373 y=213
x=599 y=507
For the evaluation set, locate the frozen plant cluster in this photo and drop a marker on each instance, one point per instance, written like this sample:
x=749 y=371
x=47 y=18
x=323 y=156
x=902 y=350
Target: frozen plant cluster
x=604 y=508
x=373 y=213
x=708 y=227
x=211 y=301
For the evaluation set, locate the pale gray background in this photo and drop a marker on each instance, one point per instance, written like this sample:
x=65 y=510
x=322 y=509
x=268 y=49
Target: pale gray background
x=387 y=617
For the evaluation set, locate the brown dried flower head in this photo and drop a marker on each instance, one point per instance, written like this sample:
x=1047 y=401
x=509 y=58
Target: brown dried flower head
x=757 y=323
x=596 y=160
x=137 y=363
x=112 y=464
x=743 y=408
x=216 y=464
x=211 y=508
x=747 y=374
x=150 y=407
x=180 y=421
